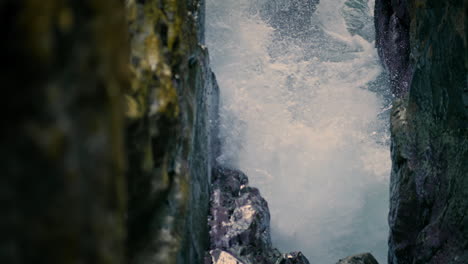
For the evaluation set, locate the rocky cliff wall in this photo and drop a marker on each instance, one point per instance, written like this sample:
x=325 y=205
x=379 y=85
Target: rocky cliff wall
x=109 y=134
x=424 y=46
x=171 y=108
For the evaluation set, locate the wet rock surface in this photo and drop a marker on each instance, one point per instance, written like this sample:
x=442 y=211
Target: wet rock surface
x=112 y=112
x=429 y=126
x=240 y=223
x=365 y=258
x=222 y=257
x=171 y=112
x=392 y=24
x=293 y=258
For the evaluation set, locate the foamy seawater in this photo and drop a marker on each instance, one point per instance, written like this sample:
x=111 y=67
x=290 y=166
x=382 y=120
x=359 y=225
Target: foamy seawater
x=303 y=115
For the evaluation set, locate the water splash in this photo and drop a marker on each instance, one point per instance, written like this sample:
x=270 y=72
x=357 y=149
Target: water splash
x=303 y=114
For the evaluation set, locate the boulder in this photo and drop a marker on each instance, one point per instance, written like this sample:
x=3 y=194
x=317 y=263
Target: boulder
x=240 y=223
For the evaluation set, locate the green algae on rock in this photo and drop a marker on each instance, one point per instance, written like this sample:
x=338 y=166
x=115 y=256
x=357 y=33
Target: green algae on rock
x=171 y=109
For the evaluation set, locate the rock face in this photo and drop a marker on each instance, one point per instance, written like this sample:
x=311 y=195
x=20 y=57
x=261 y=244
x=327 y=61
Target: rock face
x=365 y=258
x=62 y=188
x=424 y=46
x=110 y=113
x=171 y=109
x=240 y=224
x=392 y=22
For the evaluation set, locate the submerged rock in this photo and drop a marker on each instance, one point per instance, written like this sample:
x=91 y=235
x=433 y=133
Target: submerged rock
x=365 y=258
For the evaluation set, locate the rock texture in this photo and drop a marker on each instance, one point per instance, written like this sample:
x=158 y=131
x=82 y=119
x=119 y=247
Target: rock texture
x=240 y=224
x=365 y=258
x=171 y=109
x=62 y=189
x=424 y=46
x=392 y=22
x=110 y=118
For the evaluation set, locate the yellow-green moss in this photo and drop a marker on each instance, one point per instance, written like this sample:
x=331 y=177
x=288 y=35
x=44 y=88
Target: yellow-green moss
x=133 y=110
x=154 y=70
x=159 y=100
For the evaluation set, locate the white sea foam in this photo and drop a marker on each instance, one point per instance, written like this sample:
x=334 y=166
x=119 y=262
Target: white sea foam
x=298 y=118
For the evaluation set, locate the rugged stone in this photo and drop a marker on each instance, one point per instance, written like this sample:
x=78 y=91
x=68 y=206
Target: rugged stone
x=105 y=99
x=392 y=24
x=240 y=222
x=62 y=189
x=239 y=219
x=365 y=258
x=171 y=110
x=429 y=126
x=223 y=257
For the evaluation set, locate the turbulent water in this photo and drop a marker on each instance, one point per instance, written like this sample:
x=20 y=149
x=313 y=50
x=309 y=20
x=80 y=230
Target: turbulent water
x=304 y=115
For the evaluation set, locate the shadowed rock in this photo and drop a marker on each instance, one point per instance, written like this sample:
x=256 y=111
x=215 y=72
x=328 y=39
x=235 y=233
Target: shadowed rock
x=62 y=188
x=365 y=258
x=294 y=258
x=391 y=20
x=429 y=126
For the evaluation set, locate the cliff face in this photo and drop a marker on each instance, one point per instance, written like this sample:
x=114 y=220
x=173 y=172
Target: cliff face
x=171 y=108
x=392 y=22
x=110 y=113
x=424 y=46
x=62 y=188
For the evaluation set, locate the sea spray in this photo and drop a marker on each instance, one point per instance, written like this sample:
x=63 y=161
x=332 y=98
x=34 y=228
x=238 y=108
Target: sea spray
x=300 y=115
